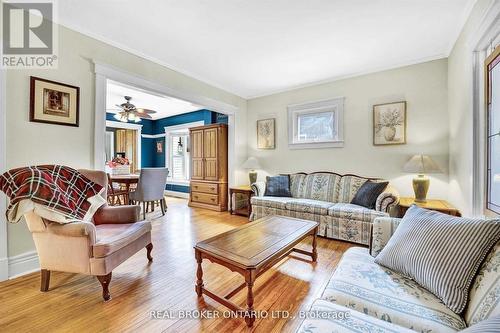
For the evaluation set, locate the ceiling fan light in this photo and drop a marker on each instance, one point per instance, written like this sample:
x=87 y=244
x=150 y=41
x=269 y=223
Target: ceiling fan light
x=118 y=116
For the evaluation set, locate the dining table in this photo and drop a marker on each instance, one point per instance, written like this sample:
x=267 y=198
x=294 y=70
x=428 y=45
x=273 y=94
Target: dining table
x=127 y=180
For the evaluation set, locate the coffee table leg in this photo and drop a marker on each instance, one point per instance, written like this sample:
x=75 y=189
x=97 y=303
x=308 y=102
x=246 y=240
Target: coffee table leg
x=250 y=313
x=199 y=274
x=314 y=243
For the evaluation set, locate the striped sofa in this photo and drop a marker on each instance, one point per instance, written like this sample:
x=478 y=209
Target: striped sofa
x=380 y=300
x=325 y=197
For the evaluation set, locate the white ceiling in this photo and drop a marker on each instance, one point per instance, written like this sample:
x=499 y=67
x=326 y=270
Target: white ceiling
x=257 y=47
x=165 y=106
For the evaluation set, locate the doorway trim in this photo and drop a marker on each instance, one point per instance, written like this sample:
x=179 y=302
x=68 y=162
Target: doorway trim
x=134 y=127
x=4 y=255
x=104 y=72
x=487 y=33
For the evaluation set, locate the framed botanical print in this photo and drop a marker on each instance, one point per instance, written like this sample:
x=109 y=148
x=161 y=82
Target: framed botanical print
x=159 y=147
x=265 y=133
x=54 y=102
x=389 y=124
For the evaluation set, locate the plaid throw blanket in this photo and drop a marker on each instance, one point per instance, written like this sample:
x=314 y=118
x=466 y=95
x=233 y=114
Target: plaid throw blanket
x=57 y=193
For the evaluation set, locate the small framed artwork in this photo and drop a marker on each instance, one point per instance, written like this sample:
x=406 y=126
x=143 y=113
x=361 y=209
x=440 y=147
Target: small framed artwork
x=389 y=124
x=54 y=102
x=159 y=147
x=266 y=133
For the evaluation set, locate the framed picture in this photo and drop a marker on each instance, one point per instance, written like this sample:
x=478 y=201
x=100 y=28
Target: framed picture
x=389 y=124
x=265 y=134
x=159 y=147
x=54 y=102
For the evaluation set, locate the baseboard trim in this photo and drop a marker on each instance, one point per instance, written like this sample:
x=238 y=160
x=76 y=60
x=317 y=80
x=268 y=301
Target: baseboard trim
x=23 y=264
x=177 y=194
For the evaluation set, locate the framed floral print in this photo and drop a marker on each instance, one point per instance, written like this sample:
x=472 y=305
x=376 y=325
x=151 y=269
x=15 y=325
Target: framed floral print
x=54 y=102
x=389 y=124
x=265 y=133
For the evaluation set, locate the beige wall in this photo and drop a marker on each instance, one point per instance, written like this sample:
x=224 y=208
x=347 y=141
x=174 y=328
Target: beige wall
x=460 y=105
x=34 y=143
x=423 y=86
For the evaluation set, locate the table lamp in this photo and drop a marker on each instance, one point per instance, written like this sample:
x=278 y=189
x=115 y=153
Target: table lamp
x=421 y=165
x=252 y=163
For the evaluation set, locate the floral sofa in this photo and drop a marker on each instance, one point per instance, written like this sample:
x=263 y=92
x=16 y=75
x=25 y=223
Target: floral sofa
x=325 y=197
x=380 y=300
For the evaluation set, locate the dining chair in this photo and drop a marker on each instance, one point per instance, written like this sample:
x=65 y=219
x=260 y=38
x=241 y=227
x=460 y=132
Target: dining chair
x=151 y=189
x=115 y=192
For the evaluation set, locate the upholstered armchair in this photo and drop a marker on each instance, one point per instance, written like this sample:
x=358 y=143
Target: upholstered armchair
x=92 y=248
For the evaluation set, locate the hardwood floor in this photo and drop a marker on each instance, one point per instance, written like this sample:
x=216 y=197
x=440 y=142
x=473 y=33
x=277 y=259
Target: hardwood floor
x=74 y=303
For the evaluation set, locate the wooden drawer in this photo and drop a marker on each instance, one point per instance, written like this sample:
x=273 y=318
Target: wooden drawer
x=204 y=187
x=210 y=199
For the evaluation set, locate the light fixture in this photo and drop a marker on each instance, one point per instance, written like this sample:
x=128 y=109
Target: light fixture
x=421 y=164
x=252 y=163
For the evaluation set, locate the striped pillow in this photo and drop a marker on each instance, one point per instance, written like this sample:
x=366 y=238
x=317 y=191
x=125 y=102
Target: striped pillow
x=491 y=325
x=440 y=252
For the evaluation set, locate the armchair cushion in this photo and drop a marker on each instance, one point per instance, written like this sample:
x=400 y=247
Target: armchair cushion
x=117 y=215
x=75 y=229
x=113 y=237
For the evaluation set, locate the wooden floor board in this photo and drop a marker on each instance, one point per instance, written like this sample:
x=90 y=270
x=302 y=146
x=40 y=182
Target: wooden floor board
x=74 y=304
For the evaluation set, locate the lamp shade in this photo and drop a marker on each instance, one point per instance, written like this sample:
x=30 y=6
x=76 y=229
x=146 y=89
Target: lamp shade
x=421 y=164
x=251 y=163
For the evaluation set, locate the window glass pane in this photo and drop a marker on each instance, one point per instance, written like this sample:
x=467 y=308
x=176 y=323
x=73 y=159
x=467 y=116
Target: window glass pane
x=495 y=100
x=316 y=126
x=494 y=170
x=178 y=165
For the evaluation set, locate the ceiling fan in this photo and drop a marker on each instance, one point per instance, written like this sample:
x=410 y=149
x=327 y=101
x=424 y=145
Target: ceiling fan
x=131 y=113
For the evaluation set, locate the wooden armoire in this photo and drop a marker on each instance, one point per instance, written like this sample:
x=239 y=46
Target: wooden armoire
x=208 y=150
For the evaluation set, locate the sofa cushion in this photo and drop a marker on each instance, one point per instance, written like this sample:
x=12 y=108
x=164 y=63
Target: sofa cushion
x=368 y=193
x=309 y=206
x=113 y=237
x=321 y=186
x=491 y=325
x=361 y=284
x=354 y=212
x=325 y=316
x=272 y=202
x=278 y=186
x=440 y=252
x=348 y=187
x=297 y=184
x=484 y=296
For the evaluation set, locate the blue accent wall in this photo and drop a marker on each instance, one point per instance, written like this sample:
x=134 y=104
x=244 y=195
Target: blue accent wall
x=150 y=158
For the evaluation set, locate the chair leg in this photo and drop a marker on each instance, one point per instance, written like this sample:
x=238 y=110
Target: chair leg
x=45 y=275
x=144 y=209
x=105 y=280
x=162 y=207
x=149 y=248
x=164 y=204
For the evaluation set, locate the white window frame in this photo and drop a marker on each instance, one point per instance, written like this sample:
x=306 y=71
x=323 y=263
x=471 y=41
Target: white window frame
x=169 y=132
x=335 y=105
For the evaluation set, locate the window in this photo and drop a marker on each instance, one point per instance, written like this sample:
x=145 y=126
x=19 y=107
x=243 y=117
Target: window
x=178 y=151
x=316 y=125
x=493 y=131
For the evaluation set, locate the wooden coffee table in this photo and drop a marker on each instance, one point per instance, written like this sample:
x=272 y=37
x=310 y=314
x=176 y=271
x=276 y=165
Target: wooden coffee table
x=251 y=250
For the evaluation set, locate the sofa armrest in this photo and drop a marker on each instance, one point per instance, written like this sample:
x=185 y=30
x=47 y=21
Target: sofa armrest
x=382 y=230
x=387 y=200
x=74 y=229
x=259 y=188
x=117 y=214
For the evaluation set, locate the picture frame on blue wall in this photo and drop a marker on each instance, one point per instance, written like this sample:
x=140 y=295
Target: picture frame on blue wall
x=159 y=147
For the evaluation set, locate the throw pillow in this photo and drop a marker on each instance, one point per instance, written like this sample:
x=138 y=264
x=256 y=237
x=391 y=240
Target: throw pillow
x=440 y=252
x=491 y=325
x=368 y=193
x=278 y=186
